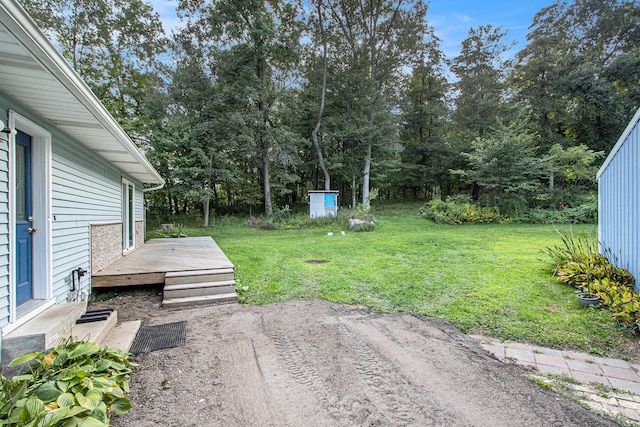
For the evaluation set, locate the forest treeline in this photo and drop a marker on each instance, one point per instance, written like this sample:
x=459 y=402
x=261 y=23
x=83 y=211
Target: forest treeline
x=249 y=104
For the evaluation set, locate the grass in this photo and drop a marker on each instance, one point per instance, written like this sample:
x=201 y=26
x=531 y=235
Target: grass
x=486 y=279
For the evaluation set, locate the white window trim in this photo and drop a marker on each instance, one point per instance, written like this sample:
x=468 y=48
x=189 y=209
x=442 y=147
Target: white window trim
x=41 y=191
x=125 y=216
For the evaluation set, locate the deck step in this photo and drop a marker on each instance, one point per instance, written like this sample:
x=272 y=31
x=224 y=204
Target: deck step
x=195 y=276
x=199 y=300
x=199 y=289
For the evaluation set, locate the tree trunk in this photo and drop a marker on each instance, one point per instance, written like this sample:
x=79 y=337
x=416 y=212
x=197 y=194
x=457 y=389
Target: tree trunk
x=366 y=174
x=475 y=192
x=421 y=178
x=316 y=129
x=268 y=207
x=205 y=208
x=373 y=57
x=264 y=145
x=547 y=126
x=353 y=192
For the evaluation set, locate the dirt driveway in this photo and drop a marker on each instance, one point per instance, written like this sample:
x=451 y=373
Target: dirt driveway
x=315 y=363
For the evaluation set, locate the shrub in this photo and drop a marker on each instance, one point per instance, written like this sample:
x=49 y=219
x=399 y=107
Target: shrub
x=621 y=300
x=586 y=213
x=453 y=212
x=77 y=383
x=578 y=264
x=252 y=222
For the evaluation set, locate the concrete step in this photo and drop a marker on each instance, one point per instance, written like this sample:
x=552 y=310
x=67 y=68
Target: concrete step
x=44 y=331
x=199 y=289
x=95 y=332
x=199 y=300
x=195 y=276
x=122 y=336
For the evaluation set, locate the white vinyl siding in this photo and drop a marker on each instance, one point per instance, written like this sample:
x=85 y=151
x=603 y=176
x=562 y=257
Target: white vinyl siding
x=139 y=207
x=85 y=190
x=4 y=227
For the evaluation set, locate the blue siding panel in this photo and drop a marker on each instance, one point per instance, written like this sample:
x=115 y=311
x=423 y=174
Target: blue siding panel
x=619 y=204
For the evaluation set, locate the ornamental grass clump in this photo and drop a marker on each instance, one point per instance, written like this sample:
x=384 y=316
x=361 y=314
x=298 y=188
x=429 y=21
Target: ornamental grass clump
x=578 y=263
x=77 y=383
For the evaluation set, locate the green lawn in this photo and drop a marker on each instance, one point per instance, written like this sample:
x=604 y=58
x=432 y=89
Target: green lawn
x=485 y=279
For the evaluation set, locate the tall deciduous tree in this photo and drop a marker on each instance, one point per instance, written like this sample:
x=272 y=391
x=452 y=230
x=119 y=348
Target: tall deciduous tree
x=579 y=73
x=425 y=120
x=378 y=38
x=261 y=36
x=505 y=166
x=321 y=29
x=539 y=74
x=113 y=45
x=481 y=70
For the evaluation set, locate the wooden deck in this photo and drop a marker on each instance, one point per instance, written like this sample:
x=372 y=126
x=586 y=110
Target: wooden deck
x=150 y=263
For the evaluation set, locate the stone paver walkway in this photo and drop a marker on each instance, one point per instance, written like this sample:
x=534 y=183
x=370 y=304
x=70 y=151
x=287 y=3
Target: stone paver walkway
x=588 y=375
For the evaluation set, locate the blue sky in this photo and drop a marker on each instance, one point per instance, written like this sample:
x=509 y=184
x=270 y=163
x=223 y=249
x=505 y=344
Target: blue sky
x=451 y=19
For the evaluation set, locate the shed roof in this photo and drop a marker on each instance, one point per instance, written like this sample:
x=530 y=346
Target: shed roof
x=36 y=74
x=618 y=145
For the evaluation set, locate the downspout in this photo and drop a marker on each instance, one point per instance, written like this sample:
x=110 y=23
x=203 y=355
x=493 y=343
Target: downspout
x=146 y=190
x=157 y=187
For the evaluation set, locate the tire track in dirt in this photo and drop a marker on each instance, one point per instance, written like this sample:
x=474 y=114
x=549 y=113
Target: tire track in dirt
x=315 y=363
x=391 y=407
x=303 y=372
x=248 y=392
x=424 y=374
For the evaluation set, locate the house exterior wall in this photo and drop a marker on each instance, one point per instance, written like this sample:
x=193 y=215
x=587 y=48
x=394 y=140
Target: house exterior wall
x=139 y=215
x=619 y=202
x=85 y=190
x=4 y=221
x=105 y=246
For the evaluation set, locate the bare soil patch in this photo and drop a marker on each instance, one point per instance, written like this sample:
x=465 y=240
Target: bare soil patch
x=315 y=363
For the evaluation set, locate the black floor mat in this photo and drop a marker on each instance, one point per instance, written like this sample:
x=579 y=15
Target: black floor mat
x=158 y=337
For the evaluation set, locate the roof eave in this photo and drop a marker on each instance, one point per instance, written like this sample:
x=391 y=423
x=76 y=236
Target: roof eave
x=25 y=29
x=618 y=145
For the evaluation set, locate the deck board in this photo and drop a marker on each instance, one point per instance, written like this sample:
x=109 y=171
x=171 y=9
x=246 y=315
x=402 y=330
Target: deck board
x=149 y=263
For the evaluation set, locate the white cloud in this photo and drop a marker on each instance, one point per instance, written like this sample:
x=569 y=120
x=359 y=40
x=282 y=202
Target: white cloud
x=167 y=11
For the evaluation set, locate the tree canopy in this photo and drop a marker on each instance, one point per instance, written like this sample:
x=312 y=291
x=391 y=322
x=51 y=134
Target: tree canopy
x=250 y=104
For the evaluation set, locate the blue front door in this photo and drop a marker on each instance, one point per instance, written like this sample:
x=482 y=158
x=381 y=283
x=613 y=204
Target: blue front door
x=24 y=219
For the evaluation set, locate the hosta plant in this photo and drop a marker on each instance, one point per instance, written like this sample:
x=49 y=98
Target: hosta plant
x=77 y=383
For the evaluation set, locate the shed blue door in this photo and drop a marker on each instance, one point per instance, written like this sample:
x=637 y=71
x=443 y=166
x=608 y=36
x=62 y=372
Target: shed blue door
x=329 y=200
x=24 y=219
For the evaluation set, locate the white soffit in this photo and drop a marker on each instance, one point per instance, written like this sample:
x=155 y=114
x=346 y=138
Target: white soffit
x=33 y=72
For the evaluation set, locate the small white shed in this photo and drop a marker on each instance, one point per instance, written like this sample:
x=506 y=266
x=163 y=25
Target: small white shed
x=323 y=203
x=619 y=201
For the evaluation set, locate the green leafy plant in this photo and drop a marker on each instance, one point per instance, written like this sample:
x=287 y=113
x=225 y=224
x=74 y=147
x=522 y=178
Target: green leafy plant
x=457 y=212
x=578 y=264
x=77 y=383
x=621 y=300
x=174 y=231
